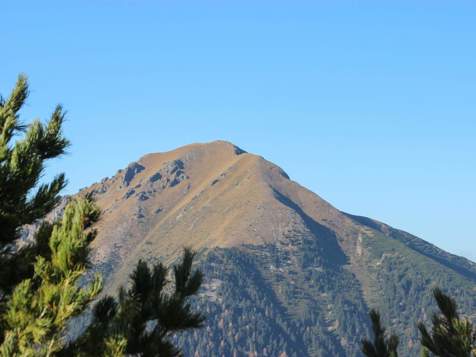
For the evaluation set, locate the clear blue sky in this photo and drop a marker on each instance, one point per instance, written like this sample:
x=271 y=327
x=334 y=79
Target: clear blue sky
x=372 y=105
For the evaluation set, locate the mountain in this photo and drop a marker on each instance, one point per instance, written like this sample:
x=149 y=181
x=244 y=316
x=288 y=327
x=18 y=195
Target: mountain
x=286 y=273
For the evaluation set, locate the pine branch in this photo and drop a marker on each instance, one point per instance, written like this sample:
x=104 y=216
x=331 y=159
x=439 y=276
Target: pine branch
x=381 y=346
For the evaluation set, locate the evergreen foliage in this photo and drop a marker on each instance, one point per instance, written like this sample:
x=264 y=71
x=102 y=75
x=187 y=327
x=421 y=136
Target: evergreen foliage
x=143 y=318
x=451 y=335
x=381 y=346
x=21 y=166
x=39 y=308
x=39 y=290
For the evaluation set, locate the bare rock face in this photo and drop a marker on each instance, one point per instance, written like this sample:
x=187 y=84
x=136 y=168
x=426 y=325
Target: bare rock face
x=170 y=175
x=28 y=232
x=286 y=273
x=131 y=171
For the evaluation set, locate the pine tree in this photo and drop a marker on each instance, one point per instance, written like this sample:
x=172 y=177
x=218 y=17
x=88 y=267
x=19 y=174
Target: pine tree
x=381 y=346
x=451 y=335
x=39 y=290
x=144 y=317
x=39 y=308
x=21 y=166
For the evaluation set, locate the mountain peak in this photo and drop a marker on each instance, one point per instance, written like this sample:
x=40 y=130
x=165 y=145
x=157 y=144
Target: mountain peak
x=293 y=249
x=218 y=147
x=185 y=181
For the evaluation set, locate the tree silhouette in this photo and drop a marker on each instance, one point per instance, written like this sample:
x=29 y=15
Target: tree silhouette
x=451 y=335
x=145 y=316
x=381 y=346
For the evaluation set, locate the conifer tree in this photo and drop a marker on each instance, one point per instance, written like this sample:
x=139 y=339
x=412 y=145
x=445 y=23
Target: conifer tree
x=39 y=290
x=146 y=315
x=451 y=335
x=381 y=346
x=21 y=166
x=39 y=308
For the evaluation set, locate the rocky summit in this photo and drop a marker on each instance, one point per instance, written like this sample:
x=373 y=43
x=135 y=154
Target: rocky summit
x=286 y=273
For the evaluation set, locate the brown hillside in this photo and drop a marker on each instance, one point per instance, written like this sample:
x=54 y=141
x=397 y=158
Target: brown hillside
x=203 y=196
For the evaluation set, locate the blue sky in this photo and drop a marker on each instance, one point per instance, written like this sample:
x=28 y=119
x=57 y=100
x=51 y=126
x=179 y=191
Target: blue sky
x=372 y=105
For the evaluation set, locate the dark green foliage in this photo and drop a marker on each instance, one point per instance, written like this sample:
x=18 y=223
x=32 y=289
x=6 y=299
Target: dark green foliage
x=381 y=346
x=147 y=314
x=451 y=335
